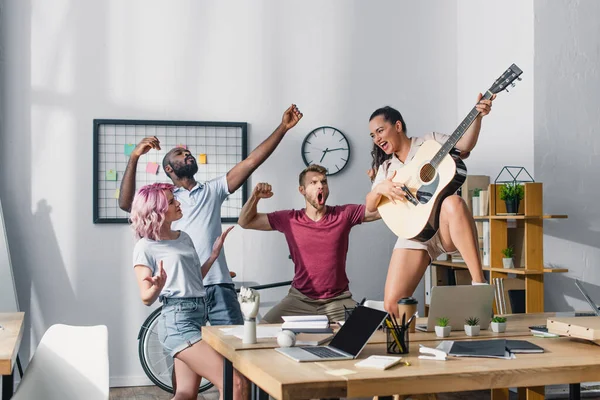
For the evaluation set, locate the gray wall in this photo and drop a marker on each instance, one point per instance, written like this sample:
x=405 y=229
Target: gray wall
x=567 y=143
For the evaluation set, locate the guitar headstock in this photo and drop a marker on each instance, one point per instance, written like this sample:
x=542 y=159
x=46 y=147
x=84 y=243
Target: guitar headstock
x=506 y=79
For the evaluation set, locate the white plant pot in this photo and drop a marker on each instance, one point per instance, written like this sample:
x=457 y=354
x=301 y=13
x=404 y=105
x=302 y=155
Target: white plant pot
x=508 y=263
x=472 y=330
x=498 y=327
x=442 y=331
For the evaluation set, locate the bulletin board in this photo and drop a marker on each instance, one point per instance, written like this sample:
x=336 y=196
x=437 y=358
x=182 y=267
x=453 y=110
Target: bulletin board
x=217 y=147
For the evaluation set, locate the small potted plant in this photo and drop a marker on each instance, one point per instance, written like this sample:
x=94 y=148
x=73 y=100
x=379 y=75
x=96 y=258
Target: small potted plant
x=472 y=326
x=507 y=260
x=512 y=193
x=442 y=329
x=498 y=324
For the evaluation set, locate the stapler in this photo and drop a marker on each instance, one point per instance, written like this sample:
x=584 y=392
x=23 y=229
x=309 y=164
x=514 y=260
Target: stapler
x=432 y=354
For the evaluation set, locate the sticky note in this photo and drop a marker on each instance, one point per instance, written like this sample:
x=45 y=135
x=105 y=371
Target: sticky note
x=183 y=146
x=202 y=158
x=129 y=149
x=152 y=168
x=117 y=192
x=111 y=175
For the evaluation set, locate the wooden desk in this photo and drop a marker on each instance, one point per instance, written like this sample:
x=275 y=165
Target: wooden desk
x=284 y=378
x=10 y=340
x=565 y=361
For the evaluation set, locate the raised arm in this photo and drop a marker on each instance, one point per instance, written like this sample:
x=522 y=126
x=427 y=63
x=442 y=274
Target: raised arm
x=127 y=190
x=371 y=216
x=469 y=139
x=150 y=286
x=217 y=247
x=241 y=171
x=250 y=218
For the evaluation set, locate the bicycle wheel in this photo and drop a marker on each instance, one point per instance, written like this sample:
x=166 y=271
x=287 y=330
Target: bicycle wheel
x=157 y=364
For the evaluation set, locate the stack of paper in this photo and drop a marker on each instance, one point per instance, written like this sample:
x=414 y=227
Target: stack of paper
x=306 y=323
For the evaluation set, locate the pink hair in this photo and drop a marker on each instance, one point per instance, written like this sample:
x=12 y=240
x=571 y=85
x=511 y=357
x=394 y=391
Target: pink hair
x=148 y=210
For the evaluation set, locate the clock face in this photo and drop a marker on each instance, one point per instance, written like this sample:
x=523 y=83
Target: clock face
x=328 y=147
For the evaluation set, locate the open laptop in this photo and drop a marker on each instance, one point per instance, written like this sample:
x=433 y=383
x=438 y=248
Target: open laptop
x=347 y=343
x=457 y=303
x=587 y=297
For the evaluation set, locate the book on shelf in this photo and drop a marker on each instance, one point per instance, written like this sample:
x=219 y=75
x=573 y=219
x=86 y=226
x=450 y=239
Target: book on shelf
x=501 y=294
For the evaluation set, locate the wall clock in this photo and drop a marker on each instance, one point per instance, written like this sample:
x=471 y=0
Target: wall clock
x=328 y=147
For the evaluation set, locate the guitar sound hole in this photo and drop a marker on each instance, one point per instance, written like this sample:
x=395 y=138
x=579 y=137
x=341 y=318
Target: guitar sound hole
x=427 y=173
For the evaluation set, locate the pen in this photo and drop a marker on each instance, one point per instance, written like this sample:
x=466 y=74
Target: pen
x=394 y=334
x=362 y=301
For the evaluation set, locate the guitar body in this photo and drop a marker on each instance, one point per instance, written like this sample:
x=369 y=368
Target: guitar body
x=420 y=222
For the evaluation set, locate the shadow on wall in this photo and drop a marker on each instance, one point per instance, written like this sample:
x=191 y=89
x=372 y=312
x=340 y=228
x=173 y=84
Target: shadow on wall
x=569 y=298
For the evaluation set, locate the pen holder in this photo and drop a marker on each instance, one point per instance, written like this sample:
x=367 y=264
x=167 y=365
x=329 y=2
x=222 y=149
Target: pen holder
x=396 y=341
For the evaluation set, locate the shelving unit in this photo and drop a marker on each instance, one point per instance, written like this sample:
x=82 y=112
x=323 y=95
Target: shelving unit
x=532 y=221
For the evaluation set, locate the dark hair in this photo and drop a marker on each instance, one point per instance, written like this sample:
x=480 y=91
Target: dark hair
x=311 y=168
x=391 y=115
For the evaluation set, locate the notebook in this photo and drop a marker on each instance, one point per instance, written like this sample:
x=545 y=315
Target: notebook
x=379 y=362
x=522 y=346
x=495 y=348
x=347 y=343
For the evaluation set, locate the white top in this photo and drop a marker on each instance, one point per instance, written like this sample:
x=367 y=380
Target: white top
x=201 y=208
x=393 y=164
x=180 y=262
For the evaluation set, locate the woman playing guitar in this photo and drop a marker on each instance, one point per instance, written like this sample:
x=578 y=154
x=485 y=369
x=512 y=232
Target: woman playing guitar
x=393 y=150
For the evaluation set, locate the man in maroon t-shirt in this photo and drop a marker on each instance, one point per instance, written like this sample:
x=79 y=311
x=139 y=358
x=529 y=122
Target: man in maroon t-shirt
x=318 y=240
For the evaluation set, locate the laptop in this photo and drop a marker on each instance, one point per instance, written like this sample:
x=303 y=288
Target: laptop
x=587 y=297
x=347 y=343
x=457 y=303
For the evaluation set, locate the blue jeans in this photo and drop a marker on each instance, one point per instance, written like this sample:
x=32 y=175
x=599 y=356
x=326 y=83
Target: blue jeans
x=181 y=322
x=222 y=305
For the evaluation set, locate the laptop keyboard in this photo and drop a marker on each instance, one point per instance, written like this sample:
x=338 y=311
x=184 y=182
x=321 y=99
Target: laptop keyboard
x=322 y=352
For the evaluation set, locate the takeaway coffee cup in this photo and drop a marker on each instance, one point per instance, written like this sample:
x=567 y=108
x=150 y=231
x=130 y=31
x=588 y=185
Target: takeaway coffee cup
x=408 y=306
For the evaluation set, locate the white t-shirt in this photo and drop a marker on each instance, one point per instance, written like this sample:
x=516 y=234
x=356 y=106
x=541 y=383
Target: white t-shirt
x=180 y=262
x=201 y=208
x=393 y=164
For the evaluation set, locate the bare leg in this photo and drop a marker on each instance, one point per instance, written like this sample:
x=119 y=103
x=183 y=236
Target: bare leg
x=187 y=381
x=457 y=232
x=406 y=269
x=206 y=362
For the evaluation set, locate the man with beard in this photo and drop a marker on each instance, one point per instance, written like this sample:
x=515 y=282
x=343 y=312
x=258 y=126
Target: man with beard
x=317 y=237
x=201 y=207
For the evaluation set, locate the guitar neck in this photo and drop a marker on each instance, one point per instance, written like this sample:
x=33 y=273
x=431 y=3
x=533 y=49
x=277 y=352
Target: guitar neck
x=458 y=133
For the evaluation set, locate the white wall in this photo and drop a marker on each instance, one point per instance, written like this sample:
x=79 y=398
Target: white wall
x=491 y=36
x=66 y=62
x=567 y=144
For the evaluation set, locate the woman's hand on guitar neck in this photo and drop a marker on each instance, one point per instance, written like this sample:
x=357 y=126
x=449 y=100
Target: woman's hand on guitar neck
x=392 y=190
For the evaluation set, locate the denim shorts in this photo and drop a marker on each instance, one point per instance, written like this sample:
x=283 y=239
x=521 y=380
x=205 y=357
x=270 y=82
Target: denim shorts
x=181 y=322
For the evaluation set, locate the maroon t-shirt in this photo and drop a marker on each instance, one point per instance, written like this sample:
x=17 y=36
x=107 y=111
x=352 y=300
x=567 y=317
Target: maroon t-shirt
x=319 y=248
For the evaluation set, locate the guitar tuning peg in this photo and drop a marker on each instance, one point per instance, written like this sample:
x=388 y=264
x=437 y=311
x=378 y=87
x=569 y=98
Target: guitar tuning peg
x=519 y=78
x=513 y=84
x=506 y=90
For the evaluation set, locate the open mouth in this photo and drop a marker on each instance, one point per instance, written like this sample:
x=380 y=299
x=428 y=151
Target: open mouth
x=320 y=199
x=384 y=146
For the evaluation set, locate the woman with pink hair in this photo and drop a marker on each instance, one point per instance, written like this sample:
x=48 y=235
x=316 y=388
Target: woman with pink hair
x=167 y=268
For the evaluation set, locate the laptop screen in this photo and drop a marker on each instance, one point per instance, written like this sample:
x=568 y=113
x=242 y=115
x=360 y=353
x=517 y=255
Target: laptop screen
x=358 y=328
x=587 y=297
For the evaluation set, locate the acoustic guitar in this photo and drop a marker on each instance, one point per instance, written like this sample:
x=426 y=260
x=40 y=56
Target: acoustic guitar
x=435 y=172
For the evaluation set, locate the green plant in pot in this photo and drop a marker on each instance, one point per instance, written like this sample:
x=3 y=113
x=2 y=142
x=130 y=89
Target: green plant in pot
x=472 y=327
x=512 y=193
x=442 y=329
x=507 y=259
x=498 y=324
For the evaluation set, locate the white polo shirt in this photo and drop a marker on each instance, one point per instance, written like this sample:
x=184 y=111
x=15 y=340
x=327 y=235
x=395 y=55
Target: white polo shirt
x=201 y=208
